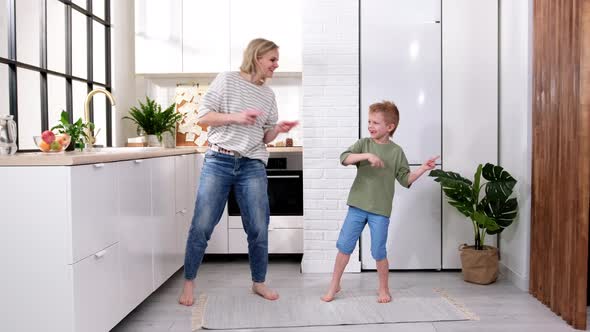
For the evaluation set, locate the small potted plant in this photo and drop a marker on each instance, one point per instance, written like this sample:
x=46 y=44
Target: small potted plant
x=490 y=208
x=150 y=118
x=76 y=131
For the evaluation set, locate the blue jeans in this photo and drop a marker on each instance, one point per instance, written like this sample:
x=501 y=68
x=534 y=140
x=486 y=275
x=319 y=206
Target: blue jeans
x=355 y=221
x=247 y=177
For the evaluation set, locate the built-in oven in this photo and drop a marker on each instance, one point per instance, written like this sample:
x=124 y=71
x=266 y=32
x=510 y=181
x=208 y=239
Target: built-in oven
x=285 y=194
x=285 y=197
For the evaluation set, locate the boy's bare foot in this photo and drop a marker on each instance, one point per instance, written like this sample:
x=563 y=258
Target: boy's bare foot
x=186 y=298
x=384 y=296
x=330 y=294
x=262 y=290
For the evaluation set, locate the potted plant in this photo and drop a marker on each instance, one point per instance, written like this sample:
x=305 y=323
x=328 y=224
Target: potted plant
x=75 y=130
x=490 y=208
x=153 y=121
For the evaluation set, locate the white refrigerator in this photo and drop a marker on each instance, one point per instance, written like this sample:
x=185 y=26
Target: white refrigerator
x=400 y=61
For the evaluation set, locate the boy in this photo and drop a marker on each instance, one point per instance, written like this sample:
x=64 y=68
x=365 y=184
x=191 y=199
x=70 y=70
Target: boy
x=379 y=162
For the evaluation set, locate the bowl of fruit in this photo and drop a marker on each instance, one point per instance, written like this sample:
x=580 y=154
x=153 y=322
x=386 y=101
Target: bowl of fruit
x=50 y=142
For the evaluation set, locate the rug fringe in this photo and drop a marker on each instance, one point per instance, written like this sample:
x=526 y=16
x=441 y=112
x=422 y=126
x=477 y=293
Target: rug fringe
x=198 y=311
x=471 y=315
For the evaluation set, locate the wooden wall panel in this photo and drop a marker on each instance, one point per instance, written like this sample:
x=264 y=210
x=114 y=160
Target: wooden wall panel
x=561 y=157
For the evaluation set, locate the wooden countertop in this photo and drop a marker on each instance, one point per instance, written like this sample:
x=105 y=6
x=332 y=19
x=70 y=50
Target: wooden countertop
x=103 y=155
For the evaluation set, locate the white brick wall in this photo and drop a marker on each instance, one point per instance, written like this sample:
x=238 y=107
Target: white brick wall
x=330 y=124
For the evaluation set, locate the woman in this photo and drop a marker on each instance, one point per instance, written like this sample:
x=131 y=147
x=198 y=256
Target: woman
x=242 y=114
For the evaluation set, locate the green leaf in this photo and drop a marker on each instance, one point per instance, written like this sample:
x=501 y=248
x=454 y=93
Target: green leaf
x=476 y=181
x=500 y=183
x=457 y=188
x=483 y=221
x=503 y=212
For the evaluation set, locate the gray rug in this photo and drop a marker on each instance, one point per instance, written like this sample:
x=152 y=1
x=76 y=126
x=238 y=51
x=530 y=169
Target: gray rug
x=297 y=309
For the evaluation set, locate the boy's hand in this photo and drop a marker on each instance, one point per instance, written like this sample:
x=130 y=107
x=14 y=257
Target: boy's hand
x=430 y=163
x=375 y=161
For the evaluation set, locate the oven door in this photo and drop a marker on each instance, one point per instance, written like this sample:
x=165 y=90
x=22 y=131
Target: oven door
x=285 y=194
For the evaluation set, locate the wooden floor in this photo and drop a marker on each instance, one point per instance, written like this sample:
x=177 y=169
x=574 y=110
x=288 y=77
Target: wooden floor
x=501 y=306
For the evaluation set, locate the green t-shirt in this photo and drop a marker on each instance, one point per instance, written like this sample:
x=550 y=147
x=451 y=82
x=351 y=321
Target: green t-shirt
x=373 y=188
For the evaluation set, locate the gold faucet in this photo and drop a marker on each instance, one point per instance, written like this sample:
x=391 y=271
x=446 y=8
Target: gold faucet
x=89 y=132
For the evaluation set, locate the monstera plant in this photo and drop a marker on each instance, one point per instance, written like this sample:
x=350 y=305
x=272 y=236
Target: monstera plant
x=489 y=206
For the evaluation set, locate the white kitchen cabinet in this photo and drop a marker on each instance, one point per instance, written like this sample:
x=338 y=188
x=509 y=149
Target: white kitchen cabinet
x=409 y=75
x=93 y=208
x=285 y=235
x=280 y=241
x=413 y=240
x=281 y=23
x=135 y=232
x=158 y=36
x=182 y=211
x=199 y=36
x=103 y=234
x=97 y=297
x=164 y=230
x=470 y=96
x=205 y=26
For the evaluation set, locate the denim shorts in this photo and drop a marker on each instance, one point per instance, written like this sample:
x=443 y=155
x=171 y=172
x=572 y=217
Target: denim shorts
x=353 y=227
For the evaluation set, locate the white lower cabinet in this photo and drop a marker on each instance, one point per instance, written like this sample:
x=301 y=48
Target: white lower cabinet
x=135 y=232
x=97 y=301
x=164 y=241
x=104 y=237
x=280 y=241
x=93 y=219
x=285 y=235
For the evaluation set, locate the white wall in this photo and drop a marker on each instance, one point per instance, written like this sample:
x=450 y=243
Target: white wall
x=330 y=125
x=515 y=131
x=123 y=68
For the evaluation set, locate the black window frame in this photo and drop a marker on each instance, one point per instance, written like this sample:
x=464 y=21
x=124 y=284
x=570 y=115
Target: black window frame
x=14 y=64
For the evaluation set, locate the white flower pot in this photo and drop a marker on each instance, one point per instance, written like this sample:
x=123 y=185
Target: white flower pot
x=152 y=140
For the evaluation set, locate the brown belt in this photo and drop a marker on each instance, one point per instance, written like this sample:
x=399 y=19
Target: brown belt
x=217 y=148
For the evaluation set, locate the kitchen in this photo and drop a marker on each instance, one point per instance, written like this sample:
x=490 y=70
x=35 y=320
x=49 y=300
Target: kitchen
x=475 y=86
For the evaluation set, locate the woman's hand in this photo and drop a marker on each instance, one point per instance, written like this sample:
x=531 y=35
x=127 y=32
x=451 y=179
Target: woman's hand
x=375 y=161
x=285 y=126
x=246 y=117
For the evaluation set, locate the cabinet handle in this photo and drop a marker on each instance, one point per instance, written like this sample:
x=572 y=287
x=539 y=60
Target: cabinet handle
x=98 y=165
x=183 y=211
x=138 y=161
x=283 y=176
x=100 y=254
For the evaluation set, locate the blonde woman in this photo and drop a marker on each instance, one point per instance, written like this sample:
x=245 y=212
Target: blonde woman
x=242 y=114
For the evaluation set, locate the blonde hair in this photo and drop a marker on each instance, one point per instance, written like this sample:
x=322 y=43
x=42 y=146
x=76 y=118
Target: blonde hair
x=254 y=51
x=389 y=111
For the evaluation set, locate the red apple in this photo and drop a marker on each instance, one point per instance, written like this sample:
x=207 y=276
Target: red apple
x=48 y=136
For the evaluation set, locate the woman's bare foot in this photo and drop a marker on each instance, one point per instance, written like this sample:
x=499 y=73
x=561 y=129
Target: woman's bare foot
x=186 y=298
x=330 y=294
x=384 y=296
x=267 y=293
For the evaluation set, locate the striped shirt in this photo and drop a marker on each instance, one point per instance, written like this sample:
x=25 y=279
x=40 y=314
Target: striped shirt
x=230 y=93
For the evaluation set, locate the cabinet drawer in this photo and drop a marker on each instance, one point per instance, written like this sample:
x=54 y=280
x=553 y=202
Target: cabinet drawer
x=96 y=291
x=280 y=241
x=94 y=208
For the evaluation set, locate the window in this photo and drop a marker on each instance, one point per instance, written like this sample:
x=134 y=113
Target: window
x=52 y=53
